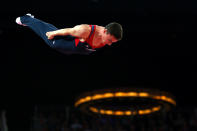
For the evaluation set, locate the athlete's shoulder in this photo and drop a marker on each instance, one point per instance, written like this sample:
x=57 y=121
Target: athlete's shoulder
x=84 y=25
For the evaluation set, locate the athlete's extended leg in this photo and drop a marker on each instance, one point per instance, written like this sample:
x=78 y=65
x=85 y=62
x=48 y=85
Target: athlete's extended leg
x=38 y=26
x=64 y=44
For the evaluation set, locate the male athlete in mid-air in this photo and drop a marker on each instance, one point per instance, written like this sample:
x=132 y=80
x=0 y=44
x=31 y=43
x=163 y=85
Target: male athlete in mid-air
x=81 y=39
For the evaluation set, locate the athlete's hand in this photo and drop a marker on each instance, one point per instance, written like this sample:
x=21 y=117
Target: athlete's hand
x=50 y=35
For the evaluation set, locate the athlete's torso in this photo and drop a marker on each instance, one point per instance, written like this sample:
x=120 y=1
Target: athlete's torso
x=94 y=39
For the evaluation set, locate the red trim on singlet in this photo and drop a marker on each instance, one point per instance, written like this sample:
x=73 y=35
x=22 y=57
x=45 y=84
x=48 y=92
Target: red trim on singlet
x=76 y=41
x=89 y=39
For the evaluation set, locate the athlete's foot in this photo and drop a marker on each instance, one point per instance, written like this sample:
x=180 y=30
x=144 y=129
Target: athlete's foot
x=30 y=15
x=18 y=19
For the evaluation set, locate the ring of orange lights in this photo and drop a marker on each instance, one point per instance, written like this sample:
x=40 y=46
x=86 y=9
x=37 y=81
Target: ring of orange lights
x=86 y=101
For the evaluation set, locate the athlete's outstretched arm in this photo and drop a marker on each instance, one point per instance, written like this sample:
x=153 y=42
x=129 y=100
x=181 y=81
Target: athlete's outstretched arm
x=80 y=31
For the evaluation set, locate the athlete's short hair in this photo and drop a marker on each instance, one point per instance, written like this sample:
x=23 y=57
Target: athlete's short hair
x=115 y=29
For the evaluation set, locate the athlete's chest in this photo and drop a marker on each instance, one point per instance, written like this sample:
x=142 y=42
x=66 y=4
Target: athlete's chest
x=97 y=40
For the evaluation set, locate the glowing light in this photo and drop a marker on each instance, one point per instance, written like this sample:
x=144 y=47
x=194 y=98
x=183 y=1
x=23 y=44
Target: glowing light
x=120 y=94
x=97 y=96
x=142 y=112
x=94 y=109
x=156 y=108
x=102 y=111
x=128 y=113
x=132 y=94
x=88 y=98
x=119 y=113
x=143 y=94
x=107 y=95
x=109 y=112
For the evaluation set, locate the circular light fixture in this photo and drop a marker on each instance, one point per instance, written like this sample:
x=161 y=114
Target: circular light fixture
x=125 y=101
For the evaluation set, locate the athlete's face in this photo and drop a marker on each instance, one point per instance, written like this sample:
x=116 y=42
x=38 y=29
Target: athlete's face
x=108 y=39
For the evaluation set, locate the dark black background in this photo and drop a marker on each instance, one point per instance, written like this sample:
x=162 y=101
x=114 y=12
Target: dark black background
x=157 y=51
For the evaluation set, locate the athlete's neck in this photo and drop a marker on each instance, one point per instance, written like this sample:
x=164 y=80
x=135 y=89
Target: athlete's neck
x=100 y=30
